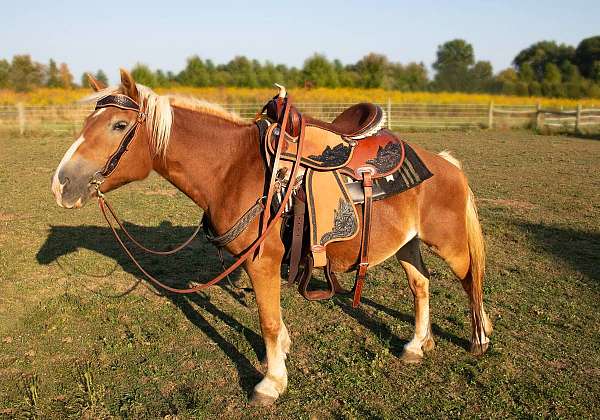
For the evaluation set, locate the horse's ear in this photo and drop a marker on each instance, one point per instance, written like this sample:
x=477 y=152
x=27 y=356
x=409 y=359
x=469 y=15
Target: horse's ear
x=95 y=83
x=128 y=85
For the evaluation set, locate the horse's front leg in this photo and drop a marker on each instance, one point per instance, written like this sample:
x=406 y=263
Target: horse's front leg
x=266 y=281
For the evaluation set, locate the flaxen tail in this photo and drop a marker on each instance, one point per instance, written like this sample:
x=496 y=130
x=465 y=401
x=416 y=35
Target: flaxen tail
x=477 y=253
x=481 y=325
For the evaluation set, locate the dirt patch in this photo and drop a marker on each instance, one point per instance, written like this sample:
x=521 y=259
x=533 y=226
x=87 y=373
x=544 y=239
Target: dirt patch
x=515 y=204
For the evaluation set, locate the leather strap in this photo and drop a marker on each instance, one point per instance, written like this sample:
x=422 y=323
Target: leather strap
x=297 y=235
x=363 y=264
x=148 y=250
x=333 y=286
x=274 y=169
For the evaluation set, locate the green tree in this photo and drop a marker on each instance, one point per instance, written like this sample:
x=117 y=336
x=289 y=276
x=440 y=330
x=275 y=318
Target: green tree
x=595 y=75
x=195 y=73
x=452 y=65
x=373 y=71
x=319 y=72
x=506 y=82
x=161 y=79
x=526 y=73
x=586 y=55
x=101 y=77
x=415 y=77
x=551 y=85
x=542 y=53
x=242 y=72
x=481 y=76
x=53 y=76
x=25 y=74
x=4 y=74
x=142 y=74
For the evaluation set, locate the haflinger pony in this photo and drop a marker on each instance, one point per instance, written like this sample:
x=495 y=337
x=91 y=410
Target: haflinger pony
x=214 y=158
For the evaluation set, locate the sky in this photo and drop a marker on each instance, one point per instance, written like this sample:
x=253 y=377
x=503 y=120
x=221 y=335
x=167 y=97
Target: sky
x=108 y=34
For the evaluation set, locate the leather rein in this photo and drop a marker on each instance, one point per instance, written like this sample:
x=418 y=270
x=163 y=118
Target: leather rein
x=126 y=103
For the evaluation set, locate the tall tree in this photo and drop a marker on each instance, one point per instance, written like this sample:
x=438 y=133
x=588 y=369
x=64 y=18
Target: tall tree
x=481 y=76
x=319 y=72
x=53 y=76
x=452 y=65
x=195 y=73
x=373 y=71
x=541 y=53
x=4 y=74
x=142 y=74
x=101 y=77
x=66 y=78
x=25 y=74
x=587 y=57
x=242 y=72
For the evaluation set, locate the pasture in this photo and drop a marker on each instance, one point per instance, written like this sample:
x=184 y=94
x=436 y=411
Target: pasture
x=83 y=335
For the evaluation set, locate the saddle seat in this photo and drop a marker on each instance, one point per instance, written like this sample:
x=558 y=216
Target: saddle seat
x=358 y=121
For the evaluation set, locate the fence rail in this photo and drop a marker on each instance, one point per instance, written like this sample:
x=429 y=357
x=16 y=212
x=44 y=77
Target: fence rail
x=406 y=116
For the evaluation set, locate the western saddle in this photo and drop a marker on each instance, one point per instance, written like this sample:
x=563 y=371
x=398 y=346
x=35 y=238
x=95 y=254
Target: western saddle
x=339 y=162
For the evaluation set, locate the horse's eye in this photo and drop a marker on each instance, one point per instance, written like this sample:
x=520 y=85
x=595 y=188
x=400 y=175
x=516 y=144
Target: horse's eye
x=120 y=125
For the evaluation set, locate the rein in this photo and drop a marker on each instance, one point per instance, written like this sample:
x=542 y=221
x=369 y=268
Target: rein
x=125 y=102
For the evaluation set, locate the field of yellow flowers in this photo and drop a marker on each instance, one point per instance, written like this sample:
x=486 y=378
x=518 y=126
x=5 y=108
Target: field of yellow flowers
x=231 y=95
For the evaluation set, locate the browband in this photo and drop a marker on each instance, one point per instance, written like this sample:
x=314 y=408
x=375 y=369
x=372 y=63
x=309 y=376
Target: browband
x=119 y=101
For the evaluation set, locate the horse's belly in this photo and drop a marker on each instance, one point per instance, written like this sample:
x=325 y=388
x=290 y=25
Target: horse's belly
x=394 y=222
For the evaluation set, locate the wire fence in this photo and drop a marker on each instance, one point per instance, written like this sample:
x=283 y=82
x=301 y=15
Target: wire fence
x=400 y=116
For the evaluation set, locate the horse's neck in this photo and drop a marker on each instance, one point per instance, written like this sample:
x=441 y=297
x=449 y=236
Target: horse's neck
x=215 y=162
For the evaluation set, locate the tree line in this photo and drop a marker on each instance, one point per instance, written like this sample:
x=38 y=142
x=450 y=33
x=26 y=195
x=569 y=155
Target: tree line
x=545 y=68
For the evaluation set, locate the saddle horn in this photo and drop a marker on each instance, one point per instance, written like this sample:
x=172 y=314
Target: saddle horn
x=282 y=90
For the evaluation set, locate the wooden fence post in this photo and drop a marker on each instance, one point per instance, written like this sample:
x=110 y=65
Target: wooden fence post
x=21 y=117
x=491 y=115
x=538 y=116
x=389 y=113
x=578 y=118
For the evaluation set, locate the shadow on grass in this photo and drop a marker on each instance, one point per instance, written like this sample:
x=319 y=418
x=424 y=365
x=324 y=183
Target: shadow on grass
x=200 y=256
x=578 y=248
x=382 y=330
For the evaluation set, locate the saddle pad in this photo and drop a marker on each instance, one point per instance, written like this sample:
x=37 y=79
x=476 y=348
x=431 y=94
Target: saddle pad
x=322 y=149
x=332 y=215
x=412 y=172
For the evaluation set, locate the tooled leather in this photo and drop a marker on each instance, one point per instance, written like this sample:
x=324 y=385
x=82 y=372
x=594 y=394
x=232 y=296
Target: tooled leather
x=119 y=101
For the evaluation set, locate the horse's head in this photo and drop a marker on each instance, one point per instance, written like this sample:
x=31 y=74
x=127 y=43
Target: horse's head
x=102 y=134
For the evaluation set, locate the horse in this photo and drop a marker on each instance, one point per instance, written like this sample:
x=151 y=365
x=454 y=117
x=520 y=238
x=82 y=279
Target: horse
x=213 y=157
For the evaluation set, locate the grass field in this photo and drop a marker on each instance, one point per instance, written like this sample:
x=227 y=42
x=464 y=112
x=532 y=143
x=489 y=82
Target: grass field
x=82 y=335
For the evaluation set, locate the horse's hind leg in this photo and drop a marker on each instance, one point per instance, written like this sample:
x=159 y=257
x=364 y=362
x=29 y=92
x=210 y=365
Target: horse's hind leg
x=462 y=249
x=409 y=257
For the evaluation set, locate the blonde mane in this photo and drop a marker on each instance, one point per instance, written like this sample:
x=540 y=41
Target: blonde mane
x=159 y=112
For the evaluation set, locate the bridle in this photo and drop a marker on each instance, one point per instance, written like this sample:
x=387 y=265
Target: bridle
x=126 y=103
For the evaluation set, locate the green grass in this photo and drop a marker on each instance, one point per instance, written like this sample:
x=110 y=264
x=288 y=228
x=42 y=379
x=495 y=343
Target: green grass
x=82 y=335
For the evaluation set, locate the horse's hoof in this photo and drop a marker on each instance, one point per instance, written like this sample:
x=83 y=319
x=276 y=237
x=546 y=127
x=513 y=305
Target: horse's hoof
x=429 y=344
x=411 y=357
x=262 y=400
x=478 y=349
